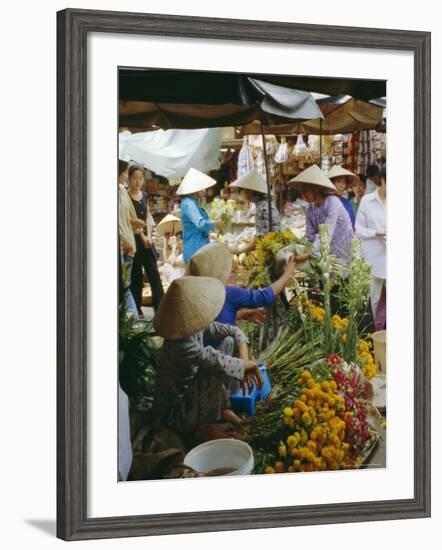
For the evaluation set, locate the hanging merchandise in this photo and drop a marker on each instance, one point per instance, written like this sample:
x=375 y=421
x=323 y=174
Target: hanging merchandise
x=352 y=152
x=255 y=141
x=383 y=146
x=364 y=154
x=338 y=148
x=300 y=148
x=271 y=145
x=325 y=164
x=282 y=154
x=313 y=149
x=245 y=159
x=259 y=161
x=378 y=143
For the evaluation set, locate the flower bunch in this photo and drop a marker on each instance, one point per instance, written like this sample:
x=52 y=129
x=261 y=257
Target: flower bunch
x=317 y=313
x=357 y=293
x=220 y=209
x=355 y=393
x=366 y=359
x=340 y=322
x=266 y=250
x=359 y=278
x=315 y=429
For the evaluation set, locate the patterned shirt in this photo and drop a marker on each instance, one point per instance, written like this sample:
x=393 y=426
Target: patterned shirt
x=190 y=377
x=262 y=218
x=333 y=213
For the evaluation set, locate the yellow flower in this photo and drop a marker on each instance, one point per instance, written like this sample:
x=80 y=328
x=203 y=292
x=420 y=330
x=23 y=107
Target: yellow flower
x=303 y=436
x=282 y=450
x=288 y=412
x=307 y=419
x=292 y=441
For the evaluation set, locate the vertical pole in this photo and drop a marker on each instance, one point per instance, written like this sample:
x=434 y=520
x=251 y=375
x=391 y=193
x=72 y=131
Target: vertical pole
x=269 y=187
x=320 y=143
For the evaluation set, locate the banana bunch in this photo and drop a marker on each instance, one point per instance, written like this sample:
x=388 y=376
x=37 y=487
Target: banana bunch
x=248 y=260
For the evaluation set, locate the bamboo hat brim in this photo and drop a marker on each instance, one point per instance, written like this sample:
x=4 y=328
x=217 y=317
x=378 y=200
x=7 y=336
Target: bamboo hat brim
x=169 y=224
x=189 y=305
x=312 y=176
x=211 y=260
x=194 y=181
x=336 y=171
x=253 y=181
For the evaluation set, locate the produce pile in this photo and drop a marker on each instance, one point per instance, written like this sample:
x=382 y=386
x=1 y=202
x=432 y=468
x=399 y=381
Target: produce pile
x=315 y=418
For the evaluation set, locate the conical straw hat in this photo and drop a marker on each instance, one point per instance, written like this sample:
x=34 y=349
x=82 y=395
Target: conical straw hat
x=336 y=171
x=189 y=305
x=313 y=176
x=253 y=181
x=194 y=181
x=169 y=224
x=211 y=260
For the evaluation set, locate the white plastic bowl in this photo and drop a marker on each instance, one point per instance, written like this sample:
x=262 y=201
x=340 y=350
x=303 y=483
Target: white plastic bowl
x=221 y=453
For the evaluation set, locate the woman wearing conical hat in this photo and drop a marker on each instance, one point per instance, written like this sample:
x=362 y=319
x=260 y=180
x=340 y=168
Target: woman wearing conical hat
x=325 y=208
x=190 y=395
x=215 y=260
x=194 y=218
x=255 y=188
x=342 y=180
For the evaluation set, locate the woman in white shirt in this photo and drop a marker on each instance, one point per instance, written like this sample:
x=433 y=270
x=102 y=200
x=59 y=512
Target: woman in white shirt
x=371 y=224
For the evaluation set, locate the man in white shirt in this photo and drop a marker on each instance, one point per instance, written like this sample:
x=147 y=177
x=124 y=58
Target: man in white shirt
x=373 y=179
x=370 y=226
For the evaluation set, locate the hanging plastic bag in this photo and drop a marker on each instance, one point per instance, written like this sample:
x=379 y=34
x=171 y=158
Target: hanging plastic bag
x=245 y=159
x=282 y=154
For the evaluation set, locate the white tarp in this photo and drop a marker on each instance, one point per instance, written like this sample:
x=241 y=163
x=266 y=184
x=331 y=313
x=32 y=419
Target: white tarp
x=170 y=153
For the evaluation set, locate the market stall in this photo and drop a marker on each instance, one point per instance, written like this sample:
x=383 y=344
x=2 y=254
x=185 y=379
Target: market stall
x=321 y=410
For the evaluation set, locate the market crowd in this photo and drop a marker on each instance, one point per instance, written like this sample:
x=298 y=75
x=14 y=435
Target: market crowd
x=204 y=356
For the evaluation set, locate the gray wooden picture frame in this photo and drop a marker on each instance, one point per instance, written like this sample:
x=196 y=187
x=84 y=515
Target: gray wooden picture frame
x=73 y=27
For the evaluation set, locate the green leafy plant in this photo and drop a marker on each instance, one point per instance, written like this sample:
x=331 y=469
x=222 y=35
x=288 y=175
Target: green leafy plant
x=138 y=350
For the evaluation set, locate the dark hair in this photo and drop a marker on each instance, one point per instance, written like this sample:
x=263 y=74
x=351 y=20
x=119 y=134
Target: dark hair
x=133 y=168
x=258 y=196
x=372 y=170
x=383 y=173
x=363 y=178
x=122 y=166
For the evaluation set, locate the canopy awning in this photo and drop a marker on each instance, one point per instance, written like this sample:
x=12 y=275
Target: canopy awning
x=349 y=116
x=252 y=100
x=215 y=88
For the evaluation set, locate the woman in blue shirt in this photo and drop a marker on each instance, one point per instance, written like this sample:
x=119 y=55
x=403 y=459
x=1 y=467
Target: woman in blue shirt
x=215 y=260
x=194 y=218
x=339 y=176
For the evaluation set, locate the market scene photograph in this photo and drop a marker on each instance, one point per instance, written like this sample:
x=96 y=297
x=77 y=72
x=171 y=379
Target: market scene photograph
x=252 y=274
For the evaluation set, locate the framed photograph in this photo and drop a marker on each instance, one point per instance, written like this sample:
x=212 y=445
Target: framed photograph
x=224 y=239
